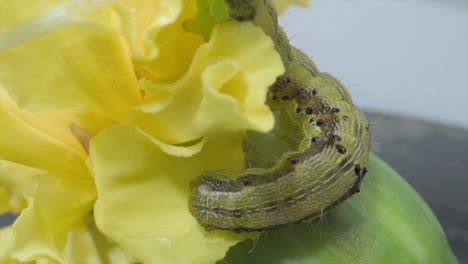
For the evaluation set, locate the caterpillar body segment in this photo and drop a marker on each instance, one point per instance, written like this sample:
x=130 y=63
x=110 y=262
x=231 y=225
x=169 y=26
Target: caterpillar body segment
x=325 y=169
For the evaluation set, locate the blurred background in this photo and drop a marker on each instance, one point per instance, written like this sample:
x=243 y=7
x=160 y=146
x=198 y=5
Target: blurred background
x=405 y=63
x=408 y=57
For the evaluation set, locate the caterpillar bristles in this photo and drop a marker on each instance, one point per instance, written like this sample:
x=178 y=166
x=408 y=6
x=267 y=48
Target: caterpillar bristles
x=325 y=169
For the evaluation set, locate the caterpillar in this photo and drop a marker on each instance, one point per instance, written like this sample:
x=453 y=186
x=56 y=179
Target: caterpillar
x=327 y=166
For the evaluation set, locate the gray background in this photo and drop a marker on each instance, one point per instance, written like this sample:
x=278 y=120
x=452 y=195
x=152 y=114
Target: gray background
x=406 y=57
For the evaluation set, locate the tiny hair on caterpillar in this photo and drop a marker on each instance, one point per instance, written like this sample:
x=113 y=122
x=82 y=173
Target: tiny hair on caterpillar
x=327 y=166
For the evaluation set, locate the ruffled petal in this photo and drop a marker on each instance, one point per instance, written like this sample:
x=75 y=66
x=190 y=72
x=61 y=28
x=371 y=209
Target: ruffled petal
x=225 y=88
x=68 y=57
x=41 y=141
x=161 y=48
x=143 y=195
x=85 y=244
x=15 y=181
x=56 y=209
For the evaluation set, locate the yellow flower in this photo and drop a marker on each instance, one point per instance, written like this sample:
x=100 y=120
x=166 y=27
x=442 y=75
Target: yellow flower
x=108 y=109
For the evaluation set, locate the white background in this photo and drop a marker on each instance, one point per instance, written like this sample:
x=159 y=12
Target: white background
x=407 y=57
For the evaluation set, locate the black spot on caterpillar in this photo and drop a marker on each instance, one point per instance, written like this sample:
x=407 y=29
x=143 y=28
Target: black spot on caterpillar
x=326 y=167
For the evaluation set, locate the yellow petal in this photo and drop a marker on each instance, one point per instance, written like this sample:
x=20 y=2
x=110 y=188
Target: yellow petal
x=19 y=15
x=24 y=20
x=282 y=5
x=6 y=237
x=85 y=244
x=40 y=141
x=55 y=210
x=161 y=48
x=16 y=180
x=4 y=201
x=70 y=57
x=142 y=20
x=143 y=195
x=224 y=89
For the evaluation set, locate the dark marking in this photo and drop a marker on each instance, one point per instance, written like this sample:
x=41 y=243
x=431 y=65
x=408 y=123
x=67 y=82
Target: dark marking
x=357 y=169
x=345 y=118
x=320 y=122
x=311 y=120
x=335 y=110
x=298 y=110
x=309 y=110
x=247 y=182
x=295 y=161
x=340 y=148
x=285 y=97
x=337 y=138
x=314 y=92
x=315 y=139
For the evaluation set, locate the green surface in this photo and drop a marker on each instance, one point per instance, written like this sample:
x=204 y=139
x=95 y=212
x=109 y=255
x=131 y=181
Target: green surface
x=387 y=222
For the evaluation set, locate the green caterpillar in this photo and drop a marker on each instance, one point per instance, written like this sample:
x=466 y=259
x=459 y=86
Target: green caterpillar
x=325 y=169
